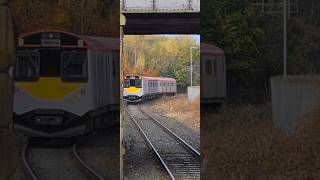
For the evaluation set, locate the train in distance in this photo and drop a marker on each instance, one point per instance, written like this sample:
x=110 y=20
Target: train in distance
x=139 y=88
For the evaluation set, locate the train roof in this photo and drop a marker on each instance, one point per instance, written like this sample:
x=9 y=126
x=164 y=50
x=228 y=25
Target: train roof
x=55 y=38
x=157 y=78
x=211 y=49
x=151 y=78
x=103 y=42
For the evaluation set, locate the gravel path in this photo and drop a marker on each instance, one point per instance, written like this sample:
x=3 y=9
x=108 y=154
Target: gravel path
x=54 y=160
x=139 y=161
x=101 y=152
x=190 y=136
x=179 y=160
x=54 y=164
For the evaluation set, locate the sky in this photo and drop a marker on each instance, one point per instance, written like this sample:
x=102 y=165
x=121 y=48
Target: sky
x=197 y=37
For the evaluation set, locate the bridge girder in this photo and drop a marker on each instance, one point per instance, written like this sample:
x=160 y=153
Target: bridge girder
x=162 y=23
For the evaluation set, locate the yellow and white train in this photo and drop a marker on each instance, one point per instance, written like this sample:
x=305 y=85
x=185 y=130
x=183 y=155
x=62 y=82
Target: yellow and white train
x=138 y=88
x=65 y=84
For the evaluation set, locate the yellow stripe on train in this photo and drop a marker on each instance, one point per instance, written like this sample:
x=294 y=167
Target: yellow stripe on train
x=132 y=89
x=49 y=88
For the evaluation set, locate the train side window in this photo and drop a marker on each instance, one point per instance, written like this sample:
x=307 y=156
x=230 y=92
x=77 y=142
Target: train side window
x=114 y=68
x=215 y=65
x=27 y=65
x=100 y=64
x=74 y=66
x=208 y=67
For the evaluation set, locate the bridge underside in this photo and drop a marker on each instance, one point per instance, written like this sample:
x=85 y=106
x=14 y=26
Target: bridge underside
x=162 y=23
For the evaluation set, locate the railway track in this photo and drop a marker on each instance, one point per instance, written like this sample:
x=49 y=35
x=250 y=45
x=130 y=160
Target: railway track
x=78 y=168
x=177 y=157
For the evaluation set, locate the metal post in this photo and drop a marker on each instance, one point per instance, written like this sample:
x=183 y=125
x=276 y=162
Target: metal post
x=154 y=4
x=289 y=9
x=122 y=151
x=191 y=66
x=285 y=39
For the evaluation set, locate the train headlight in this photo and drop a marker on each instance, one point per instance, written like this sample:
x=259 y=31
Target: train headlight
x=48 y=120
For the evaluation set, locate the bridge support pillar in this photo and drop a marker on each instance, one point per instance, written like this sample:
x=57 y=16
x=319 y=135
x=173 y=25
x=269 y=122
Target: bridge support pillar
x=9 y=156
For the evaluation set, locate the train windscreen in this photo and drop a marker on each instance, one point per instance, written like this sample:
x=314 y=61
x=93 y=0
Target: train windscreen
x=74 y=66
x=27 y=65
x=138 y=83
x=133 y=83
x=69 y=65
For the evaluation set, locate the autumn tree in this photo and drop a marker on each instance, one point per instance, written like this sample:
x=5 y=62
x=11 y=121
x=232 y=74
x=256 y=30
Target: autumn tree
x=86 y=17
x=166 y=56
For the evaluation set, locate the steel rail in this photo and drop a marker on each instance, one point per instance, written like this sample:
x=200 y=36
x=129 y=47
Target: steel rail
x=190 y=148
x=151 y=145
x=86 y=165
x=31 y=174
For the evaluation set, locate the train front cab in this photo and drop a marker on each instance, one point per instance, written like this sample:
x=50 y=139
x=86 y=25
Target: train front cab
x=133 y=89
x=53 y=95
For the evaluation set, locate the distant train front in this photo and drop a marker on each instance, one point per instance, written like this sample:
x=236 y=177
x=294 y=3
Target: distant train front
x=139 y=88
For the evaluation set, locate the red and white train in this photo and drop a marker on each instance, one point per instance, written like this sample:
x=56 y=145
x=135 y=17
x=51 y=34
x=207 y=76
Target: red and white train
x=138 y=88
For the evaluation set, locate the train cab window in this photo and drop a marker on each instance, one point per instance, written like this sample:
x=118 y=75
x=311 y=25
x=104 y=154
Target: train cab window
x=138 y=83
x=208 y=67
x=126 y=83
x=27 y=65
x=73 y=66
x=132 y=82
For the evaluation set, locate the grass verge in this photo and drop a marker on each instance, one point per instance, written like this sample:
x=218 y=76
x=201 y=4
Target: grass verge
x=180 y=108
x=241 y=143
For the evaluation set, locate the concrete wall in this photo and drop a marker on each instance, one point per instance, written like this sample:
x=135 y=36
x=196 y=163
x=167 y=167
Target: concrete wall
x=293 y=98
x=193 y=92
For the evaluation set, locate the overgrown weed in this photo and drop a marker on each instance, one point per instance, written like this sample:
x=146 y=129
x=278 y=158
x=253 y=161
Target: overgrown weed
x=180 y=108
x=241 y=143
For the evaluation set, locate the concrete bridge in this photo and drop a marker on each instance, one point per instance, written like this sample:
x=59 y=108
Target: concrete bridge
x=161 y=16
